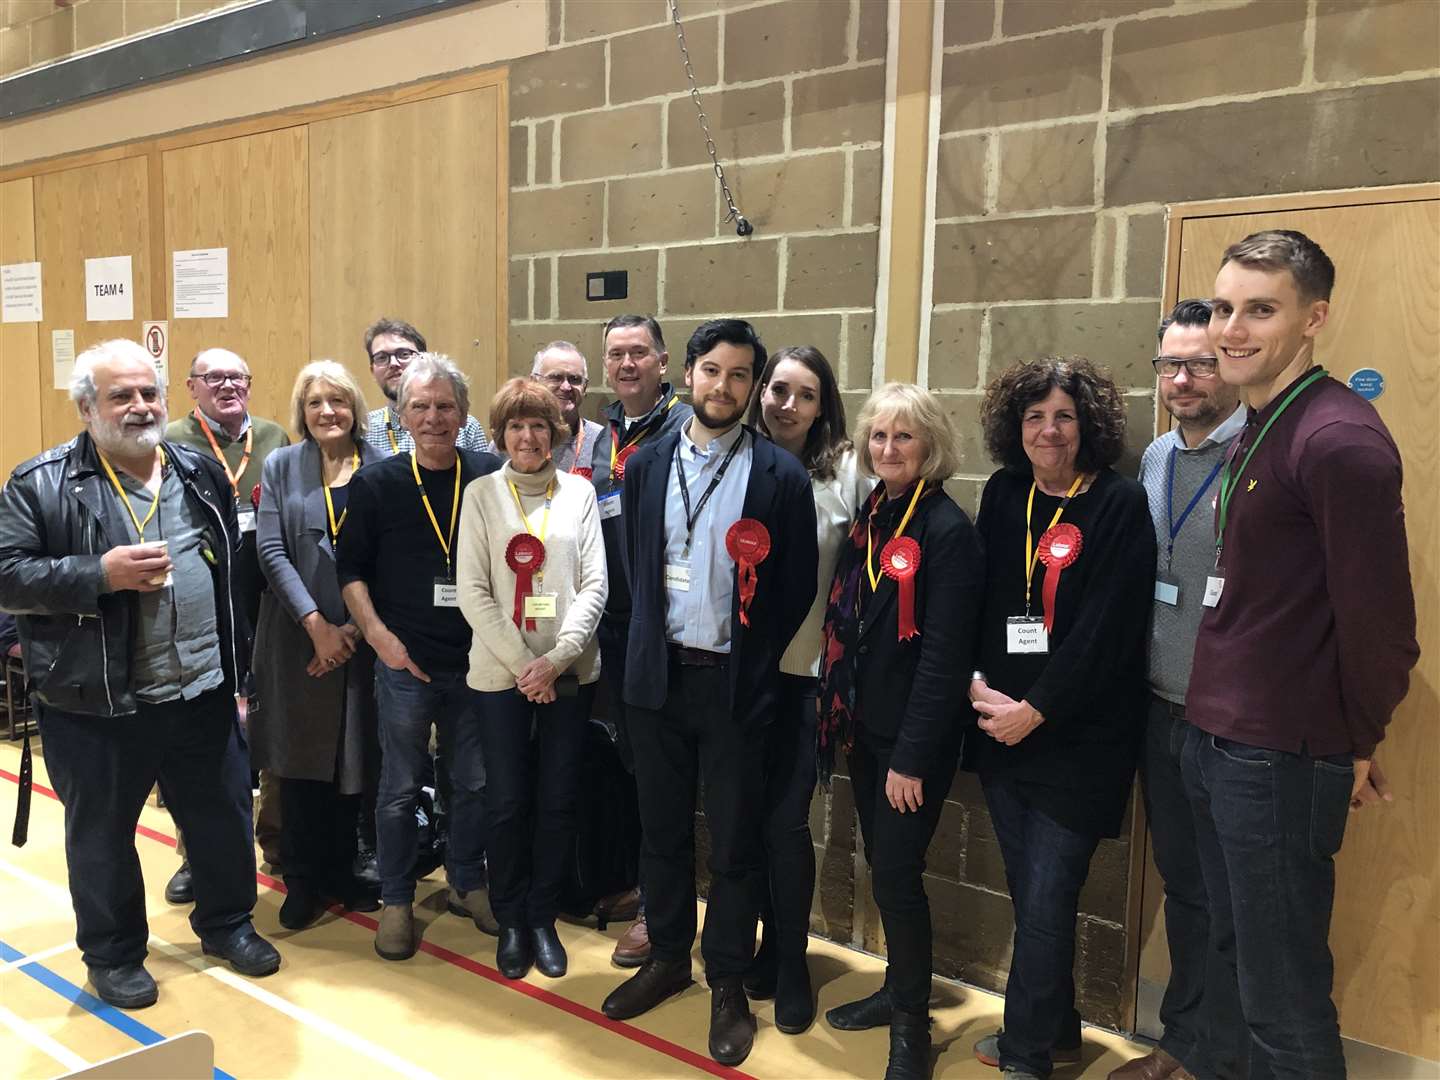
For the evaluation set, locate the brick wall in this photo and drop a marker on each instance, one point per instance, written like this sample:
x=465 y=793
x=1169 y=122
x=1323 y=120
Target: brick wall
x=34 y=33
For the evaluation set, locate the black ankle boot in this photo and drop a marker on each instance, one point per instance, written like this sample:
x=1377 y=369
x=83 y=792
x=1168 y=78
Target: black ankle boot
x=909 y=1047
x=794 y=998
x=550 y=958
x=871 y=1012
x=303 y=905
x=512 y=954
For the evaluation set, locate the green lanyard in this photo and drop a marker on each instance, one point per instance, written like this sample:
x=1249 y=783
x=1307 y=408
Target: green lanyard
x=1230 y=479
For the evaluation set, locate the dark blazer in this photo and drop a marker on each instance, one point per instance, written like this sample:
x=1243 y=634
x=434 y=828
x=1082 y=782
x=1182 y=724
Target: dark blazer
x=778 y=494
x=916 y=691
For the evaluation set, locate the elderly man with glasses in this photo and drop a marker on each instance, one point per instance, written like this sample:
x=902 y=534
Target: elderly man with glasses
x=561 y=367
x=390 y=345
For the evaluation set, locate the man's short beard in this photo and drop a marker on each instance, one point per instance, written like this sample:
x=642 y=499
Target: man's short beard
x=118 y=440
x=713 y=422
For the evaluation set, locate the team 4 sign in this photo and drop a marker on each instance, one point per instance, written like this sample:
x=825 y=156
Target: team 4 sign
x=109 y=289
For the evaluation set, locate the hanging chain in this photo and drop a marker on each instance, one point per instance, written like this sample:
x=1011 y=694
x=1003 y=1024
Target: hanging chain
x=742 y=226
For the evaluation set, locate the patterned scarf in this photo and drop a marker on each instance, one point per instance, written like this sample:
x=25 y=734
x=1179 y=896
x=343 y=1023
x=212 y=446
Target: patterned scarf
x=849 y=593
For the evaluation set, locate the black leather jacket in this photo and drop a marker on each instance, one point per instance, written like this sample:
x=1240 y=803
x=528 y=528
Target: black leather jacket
x=58 y=516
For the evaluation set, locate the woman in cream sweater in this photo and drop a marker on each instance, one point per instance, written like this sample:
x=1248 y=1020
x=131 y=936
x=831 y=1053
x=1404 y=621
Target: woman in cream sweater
x=530 y=570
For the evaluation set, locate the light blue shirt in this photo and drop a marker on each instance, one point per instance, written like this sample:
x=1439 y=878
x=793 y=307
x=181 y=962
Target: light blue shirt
x=699 y=618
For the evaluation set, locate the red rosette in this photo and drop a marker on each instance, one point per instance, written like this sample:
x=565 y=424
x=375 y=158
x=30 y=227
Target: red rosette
x=748 y=542
x=621 y=458
x=525 y=554
x=899 y=561
x=255 y=496
x=585 y=473
x=1060 y=546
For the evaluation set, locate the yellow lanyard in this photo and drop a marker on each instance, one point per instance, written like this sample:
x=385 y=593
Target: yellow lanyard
x=329 y=503
x=454 y=509
x=545 y=520
x=1032 y=554
x=234 y=477
x=615 y=437
x=874 y=575
x=394 y=443
x=139 y=525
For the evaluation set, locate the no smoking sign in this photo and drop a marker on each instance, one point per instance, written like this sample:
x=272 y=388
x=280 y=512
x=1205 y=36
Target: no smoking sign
x=155 y=336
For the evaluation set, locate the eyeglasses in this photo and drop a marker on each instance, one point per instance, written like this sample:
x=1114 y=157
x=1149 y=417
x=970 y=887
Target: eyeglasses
x=560 y=378
x=1197 y=367
x=640 y=352
x=216 y=379
x=394 y=356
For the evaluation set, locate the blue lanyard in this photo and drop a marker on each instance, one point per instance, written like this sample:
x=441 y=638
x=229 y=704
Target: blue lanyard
x=1176 y=526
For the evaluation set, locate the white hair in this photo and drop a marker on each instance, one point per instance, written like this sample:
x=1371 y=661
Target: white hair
x=218 y=356
x=429 y=366
x=556 y=346
x=82 y=378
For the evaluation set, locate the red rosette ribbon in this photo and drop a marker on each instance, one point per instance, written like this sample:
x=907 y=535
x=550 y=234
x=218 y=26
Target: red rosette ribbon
x=585 y=473
x=1059 y=548
x=525 y=554
x=621 y=458
x=899 y=560
x=748 y=543
x=255 y=496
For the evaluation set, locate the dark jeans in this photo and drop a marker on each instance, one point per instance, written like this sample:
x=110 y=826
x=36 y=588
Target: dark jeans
x=614 y=636
x=1267 y=826
x=696 y=734
x=530 y=793
x=317 y=835
x=103 y=768
x=895 y=846
x=789 y=786
x=1045 y=866
x=408 y=707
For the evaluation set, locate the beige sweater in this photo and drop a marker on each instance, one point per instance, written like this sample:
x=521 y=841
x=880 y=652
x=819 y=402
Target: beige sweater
x=574 y=571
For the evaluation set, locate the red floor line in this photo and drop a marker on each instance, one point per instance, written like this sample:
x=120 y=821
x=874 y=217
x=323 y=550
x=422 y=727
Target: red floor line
x=474 y=967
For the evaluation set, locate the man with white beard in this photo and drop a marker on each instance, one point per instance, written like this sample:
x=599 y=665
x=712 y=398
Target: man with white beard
x=116 y=554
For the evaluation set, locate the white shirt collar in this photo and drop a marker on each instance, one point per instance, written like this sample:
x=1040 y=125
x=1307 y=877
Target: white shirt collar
x=720 y=442
x=1226 y=430
x=219 y=429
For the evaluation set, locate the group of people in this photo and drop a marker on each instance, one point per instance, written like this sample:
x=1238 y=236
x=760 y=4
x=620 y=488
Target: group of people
x=771 y=598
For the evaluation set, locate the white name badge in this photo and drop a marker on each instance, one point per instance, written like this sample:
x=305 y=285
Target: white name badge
x=1026 y=635
x=1167 y=592
x=610 y=505
x=540 y=607
x=247 y=521
x=677 y=577
x=447 y=593
x=1214 y=586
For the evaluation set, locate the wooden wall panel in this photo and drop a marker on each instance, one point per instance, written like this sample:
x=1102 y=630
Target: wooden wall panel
x=19 y=342
x=1385 y=314
x=404 y=222
x=88 y=212
x=251 y=196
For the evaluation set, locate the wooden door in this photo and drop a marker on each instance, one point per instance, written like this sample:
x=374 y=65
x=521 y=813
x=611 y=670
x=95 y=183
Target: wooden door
x=19 y=342
x=406 y=212
x=88 y=212
x=251 y=196
x=1385 y=314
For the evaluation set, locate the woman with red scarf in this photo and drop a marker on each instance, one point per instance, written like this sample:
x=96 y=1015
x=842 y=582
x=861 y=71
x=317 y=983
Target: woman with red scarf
x=900 y=632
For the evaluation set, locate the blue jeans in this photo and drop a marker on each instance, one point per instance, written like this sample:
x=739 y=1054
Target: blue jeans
x=1201 y=1007
x=1267 y=826
x=1045 y=865
x=408 y=707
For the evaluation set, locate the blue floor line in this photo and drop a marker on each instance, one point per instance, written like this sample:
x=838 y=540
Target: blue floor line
x=120 y=1021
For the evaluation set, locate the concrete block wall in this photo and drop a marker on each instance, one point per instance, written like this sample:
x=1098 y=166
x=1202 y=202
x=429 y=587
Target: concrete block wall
x=34 y=33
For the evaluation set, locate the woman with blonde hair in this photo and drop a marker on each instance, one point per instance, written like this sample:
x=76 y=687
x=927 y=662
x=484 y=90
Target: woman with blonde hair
x=899 y=641
x=312 y=718
x=532 y=584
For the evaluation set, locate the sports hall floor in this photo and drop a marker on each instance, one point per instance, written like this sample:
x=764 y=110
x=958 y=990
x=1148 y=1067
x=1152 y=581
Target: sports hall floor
x=336 y=1010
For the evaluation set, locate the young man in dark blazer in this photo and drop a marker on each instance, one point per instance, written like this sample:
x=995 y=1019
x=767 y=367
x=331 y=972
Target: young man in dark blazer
x=721 y=555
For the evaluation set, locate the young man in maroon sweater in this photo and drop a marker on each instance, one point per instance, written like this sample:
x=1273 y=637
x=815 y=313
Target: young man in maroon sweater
x=1304 y=651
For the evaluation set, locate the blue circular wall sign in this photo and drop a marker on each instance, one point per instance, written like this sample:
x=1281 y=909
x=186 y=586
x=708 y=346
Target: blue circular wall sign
x=1367 y=382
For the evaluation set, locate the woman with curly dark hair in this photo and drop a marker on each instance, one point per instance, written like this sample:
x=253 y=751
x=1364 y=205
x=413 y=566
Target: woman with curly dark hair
x=1061 y=692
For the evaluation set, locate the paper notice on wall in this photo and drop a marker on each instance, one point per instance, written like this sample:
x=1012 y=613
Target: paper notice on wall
x=62 y=357
x=202 y=283
x=109 y=289
x=20 y=292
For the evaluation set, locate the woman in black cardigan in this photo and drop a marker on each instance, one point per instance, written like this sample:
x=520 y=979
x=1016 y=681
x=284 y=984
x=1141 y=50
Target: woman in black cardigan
x=1060 y=687
x=899 y=642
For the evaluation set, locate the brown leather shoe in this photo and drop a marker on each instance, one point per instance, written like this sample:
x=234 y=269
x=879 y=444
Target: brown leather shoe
x=1156 y=1065
x=633 y=948
x=653 y=983
x=732 y=1027
x=618 y=907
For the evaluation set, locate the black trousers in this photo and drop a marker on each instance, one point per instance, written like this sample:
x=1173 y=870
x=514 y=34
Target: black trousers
x=697 y=735
x=895 y=846
x=530 y=791
x=317 y=835
x=789 y=787
x=103 y=768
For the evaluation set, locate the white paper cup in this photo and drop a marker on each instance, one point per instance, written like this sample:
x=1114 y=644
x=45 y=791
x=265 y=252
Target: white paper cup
x=168 y=578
